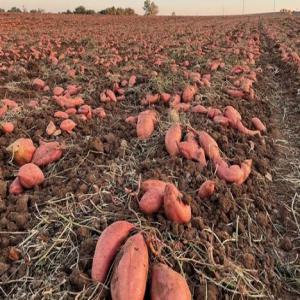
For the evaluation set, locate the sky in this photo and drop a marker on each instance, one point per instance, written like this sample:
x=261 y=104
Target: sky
x=166 y=7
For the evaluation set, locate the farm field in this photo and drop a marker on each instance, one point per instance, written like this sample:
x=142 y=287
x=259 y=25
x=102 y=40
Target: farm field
x=184 y=100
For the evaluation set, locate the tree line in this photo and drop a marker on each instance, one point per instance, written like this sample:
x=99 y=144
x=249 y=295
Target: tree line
x=150 y=8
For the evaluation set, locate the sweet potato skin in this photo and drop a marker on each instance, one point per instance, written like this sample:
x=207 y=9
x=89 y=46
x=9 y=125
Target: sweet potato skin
x=175 y=209
x=258 y=124
x=107 y=247
x=130 y=275
x=168 y=285
x=30 y=175
x=206 y=189
x=151 y=201
x=173 y=138
x=145 y=124
x=156 y=184
x=209 y=145
x=47 y=153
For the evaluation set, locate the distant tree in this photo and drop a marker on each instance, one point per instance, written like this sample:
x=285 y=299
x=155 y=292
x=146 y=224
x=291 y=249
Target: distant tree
x=90 y=12
x=173 y=14
x=80 y=10
x=117 y=11
x=150 y=8
x=2 y=10
x=67 y=12
x=37 y=11
x=14 y=10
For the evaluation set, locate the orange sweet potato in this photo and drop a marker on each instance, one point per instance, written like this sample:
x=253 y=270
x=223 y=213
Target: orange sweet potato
x=30 y=175
x=213 y=112
x=38 y=84
x=67 y=125
x=221 y=120
x=15 y=187
x=173 y=138
x=58 y=91
x=150 y=99
x=258 y=124
x=107 y=247
x=145 y=124
x=199 y=109
x=61 y=115
x=232 y=174
x=246 y=169
x=132 y=81
x=233 y=115
x=235 y=93
x=167 y=284
x=189 y=93
x=241 y=128
x=130 y=275
x=111 y=95
x=7 y=127
x=47 y=153
x=189 y=150
x=165 y=97
x=150 y=184
x=175 y=209
x=22 y=151
x=209 y=145
x=151 y=201
x=206 y=189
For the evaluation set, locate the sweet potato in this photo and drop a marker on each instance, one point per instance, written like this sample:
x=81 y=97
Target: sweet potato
x=47 y=153
x=130 y=275
x=201 y=158
x=145 y=124
x=131 y=120
x=199 y=109
x=67 y=125
x=7 y=127
x=246 y=84
x=209 y=145
x=166 y=284
x=132 y=81
x=22 y=151
x=99 y=112
x=61 y=115
x=107 y=247
x=246 y=169
x=71 y=111
x=224 y=121
x=65 y=101
x=175 y=99
x=213 y=112
x=235 y=93
x=151 y=201
x=173 y=138
x=111 y=95
x=10 y=103
x=182 y=107
x=165 y=97
x=15 y=187
x=150 y=184
x=30 y=175
x=85 y=110
x=258 y=124
x=58 y=91
x=241 y=128
x=38 y=84
x=232 y=174
x=206 y=189
x=233 y=115
x=150 y=99
x=189 y=93
x=174 y=208
x=189 y=149
x=72 y=90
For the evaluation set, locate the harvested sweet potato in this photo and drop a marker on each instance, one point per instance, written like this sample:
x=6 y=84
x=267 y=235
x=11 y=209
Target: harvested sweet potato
x=235 y=93
x=232 y=174
x=199 y=109
x=165 y=97
x=233 y=115
x=174 y=208
x=166 y=284
x=224 y=121
x=241 y=128
x=107 y=247
x=182 y=107
x=132 y=81
x=206 y=189
x=51 y=128
x=151 y=201
x=130 y=275
x=111 y=95
x=15 y=187
x=7 y=127
x=85 y=110
x=246 y=169
x=30 y=175
x=150 y=99
x=22 y=151
x=99 y=112
x=258 y=124
x=67 y=102
x=67 y=125
x=58 y=91
x=38 y=84
x=47 y=153
x=189 y=149
x=189 y=93
x=209 y=145
x=145 y=124
x=173 y=138
x=61 y=115
x=213 y=112
x=150 y=184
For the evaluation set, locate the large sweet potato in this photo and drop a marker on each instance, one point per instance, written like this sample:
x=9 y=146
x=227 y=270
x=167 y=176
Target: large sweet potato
x=175 y=209
x=168 y=285
x=145 y=124
x=156 y=184
x=47 y=153
x=173 y=138
x=107 y=247
x=130 y=275
x=30 y=175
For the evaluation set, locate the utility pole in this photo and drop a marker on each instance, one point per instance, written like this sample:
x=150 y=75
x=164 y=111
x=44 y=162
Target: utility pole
x=274 y=8
x=244 y=7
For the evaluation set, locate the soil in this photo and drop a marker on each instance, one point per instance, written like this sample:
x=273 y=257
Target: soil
x=242 y=242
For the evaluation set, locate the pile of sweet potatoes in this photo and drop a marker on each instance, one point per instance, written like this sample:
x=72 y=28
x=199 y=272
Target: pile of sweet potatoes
x=128 y=258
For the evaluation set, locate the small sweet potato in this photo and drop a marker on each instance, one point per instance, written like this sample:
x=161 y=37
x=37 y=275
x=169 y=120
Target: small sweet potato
x=111 y=95
x=232 y=174
x=235 y=93
x=130 y=275
x=15 y=187
x=206 y=189
x=61 y=115
x=221 y=120
x=165 y=97
x=67 y=125
x=233 y=115
x=213 y=112
x=145 y=124
x=173 y=138
x=51 y=128
x=150 y=184
x=199 y=109
x=189 y=93
x=30 y=175
x=132 y=81
x=258 y=124
x=22 y=151
x=150 y=99
x=58 y=91
x=151 y=202
x=241 y=128
x=99 y=112
x=47 y=153
x=166 y=284
x=246 y=169
x=189 y=150
x=7 y=127
x=175 y=209
x=107 y=247
x=38 y=84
